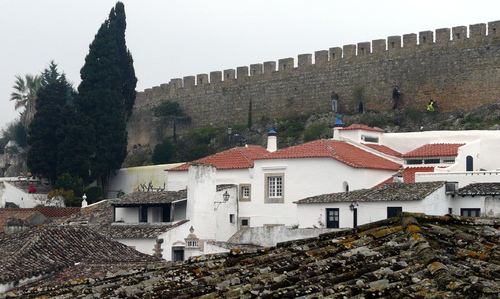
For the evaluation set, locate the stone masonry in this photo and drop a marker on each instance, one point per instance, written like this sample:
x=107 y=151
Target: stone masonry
x=458 y=68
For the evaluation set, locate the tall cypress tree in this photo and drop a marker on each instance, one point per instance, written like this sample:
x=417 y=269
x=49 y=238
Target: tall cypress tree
x=107 y=95
x=44 y=144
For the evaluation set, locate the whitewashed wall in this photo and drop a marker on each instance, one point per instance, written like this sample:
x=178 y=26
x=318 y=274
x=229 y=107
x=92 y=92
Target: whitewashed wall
x=9 y=193
x=144 y=245
x=303 y=178
x=463 y=178
x=314 y=215
x=128 y=179
x=490 y=206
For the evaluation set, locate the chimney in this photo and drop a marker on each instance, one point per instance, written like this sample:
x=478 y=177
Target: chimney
x=336 y=128
x=272 y=142
x=398 y=178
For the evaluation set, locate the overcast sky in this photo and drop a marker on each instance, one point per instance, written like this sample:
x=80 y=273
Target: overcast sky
x=176 y=38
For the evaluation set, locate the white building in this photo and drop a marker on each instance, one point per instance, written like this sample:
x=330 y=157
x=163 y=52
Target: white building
x=343 y=182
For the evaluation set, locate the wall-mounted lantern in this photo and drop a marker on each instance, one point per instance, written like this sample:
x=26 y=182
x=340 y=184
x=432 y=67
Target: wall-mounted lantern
x=225 y=198
x=352 y=206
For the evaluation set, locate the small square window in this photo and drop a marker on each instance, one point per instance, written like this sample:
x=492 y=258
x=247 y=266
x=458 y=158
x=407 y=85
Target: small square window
x=245 y=222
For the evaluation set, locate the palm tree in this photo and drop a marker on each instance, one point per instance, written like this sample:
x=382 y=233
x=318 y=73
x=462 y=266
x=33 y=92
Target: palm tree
x=25 y=96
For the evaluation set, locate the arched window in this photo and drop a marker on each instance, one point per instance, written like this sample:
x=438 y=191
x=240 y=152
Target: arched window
x=469 y=162
x=345 y=186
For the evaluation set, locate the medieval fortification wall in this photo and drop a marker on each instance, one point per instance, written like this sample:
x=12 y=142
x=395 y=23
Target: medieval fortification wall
x=457 y=67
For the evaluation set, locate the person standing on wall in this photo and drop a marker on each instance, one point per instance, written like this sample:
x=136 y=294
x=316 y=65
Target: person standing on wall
x=335 y=100
x=396 y=96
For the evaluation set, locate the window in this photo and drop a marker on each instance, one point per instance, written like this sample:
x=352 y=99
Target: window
x=469 y=163
x=274 y=188
x=177 y=253
x=245 y=192
x=231 y=218
x=470 y=212
x=432 y=161
x=394 y=211
x=332 y=218
x=244 y=221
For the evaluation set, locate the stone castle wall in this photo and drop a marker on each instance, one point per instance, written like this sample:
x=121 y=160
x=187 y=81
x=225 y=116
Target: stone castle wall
x=458 y=68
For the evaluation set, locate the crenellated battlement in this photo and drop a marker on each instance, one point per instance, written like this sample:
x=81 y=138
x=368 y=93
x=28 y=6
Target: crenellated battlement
x=443 y=39
x=458 y=68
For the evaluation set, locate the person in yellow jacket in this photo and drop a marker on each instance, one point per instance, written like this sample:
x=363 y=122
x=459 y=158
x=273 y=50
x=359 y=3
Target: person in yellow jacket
x=430 y=106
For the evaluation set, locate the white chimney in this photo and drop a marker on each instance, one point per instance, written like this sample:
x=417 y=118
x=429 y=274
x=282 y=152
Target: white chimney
x=398 y=178
x=272 y=141
x=336 y=127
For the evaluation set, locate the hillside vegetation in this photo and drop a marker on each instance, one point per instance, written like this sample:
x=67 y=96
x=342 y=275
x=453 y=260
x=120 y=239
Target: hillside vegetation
x=294 y=130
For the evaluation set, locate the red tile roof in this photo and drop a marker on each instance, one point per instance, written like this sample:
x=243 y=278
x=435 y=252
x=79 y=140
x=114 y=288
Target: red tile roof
x=50 y=212
x=408 y=175
x=383 y=149
x=362 y=127
x=434 y=150
x=338 y=150
x=235 y=158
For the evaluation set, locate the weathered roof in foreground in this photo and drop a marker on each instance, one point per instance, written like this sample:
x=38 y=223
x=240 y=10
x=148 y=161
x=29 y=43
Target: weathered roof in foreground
x=43 y=250
x=490 y=189
x=412 y=256
x=387 y=192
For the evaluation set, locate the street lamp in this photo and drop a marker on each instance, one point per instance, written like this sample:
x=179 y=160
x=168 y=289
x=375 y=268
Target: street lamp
x=225 y=198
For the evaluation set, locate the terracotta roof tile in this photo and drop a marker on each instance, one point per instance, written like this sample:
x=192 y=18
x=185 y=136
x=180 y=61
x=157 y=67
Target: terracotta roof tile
x=50 y=212
x=338 y=150
x=383 y=149
x=408 y=175
x=362 y=127
x=434 y=150
x=235 y=158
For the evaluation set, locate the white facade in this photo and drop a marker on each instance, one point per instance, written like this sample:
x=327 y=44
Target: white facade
x=10 y=193
x=314 y=214
x=130 y=179
x=302 y=178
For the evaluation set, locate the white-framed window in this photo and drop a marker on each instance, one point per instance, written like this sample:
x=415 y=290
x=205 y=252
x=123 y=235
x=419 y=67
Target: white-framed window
x=245 y=192
x=275 y=188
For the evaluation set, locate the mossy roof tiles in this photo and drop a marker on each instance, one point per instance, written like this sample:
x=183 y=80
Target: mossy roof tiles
x=484 y=189
x=411 y=256
x=337 y=150
x=43 y=250
x=387 y=192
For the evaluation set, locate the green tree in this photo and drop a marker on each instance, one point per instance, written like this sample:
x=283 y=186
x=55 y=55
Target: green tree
x=107 y=95
x=44 y=143
x=24 y=95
